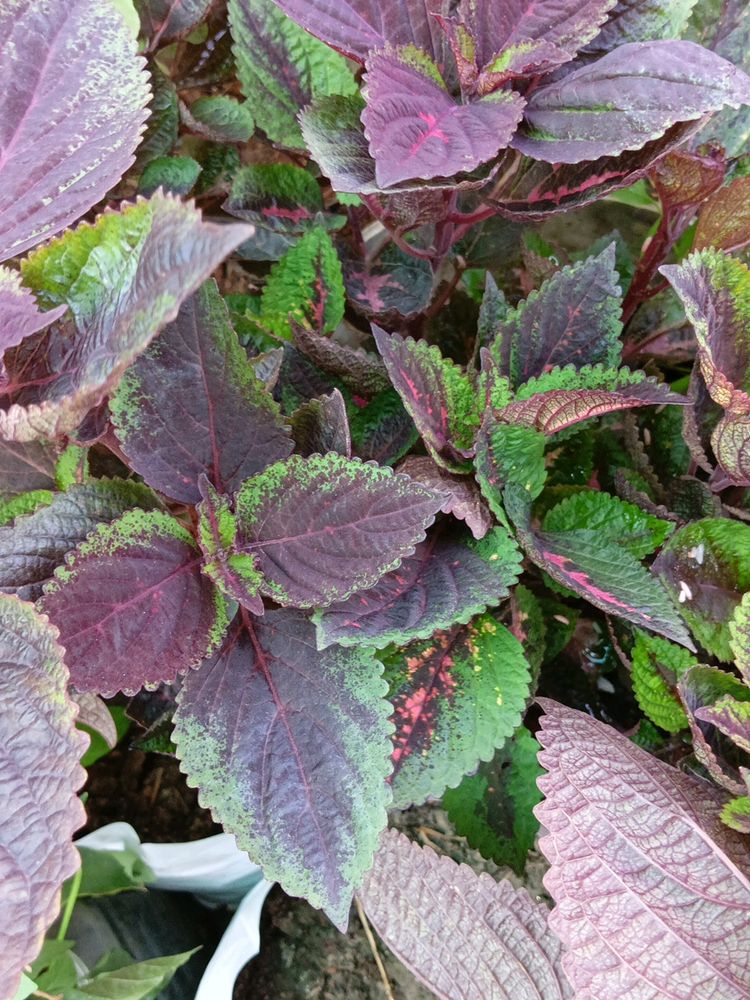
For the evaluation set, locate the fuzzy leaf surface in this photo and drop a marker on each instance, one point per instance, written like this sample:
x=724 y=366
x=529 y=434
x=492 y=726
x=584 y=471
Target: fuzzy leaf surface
x=651 y=889
x=39 y=764
x=604 y=574
x=446 y=581
x=132 y=605
x=73 y=95
x=264 y=40
x=573 y=319
x=628 y=97
x=438 y=395
x=123 y=278
x=456 y=698
x=34 y=546
x=295 y=768
x=324 y=527
x=463 y=935
x=705 y=566
x=463 y=497
x=194 y=386
x=415 y=128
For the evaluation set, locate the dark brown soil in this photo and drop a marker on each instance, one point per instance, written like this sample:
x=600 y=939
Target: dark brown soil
x=149 y=791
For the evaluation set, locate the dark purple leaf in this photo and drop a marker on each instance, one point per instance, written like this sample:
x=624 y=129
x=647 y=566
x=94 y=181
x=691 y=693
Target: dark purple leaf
x=603 y=573
x=324 y=527
x=684 y=179
x=94 y=714
x=355 y=27
x=361 y=371
x=192 y=405
x=463 y=498
x=34 y=546
x=463 y=935
x=300 y=380
x=132 y=605
x=321 y=425
x=716 y=704
x=73 y=98
x=437 y=394
x=164 y=21
x=295 y=767
x=445 y=582
x=19 y=313
x=158 y=252
x=627 y=98
x=456 y=697
x=26 y=467
x=40 y=773
x=651 y=889
x=642 y=21
x=416 y=129
x=573 y=319
x=390 y=287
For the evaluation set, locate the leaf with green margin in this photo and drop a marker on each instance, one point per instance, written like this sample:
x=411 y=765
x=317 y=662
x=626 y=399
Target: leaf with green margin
x=194 y=384
x=324 y=527
x=456 y=698
x=615 y=520
x=606 y=575
x=437 y=394
x=296 y=768
x=705 y=566
x=445 y=582
x=701 y=690
x=34 y=546
x=163 y=124
x=382 y=431
x=283 y=202
x=493 y=808
x=463 y=497
x=731 y=717
x=40 y=751
x=266 y=39
x=138 y=981
x=739 y=637
x=574 y=318
x=72 y=116
x=132 y=605
x=234 y=573
x=736 y=814
x=530 y=627
x=172 y=174
x=219 y=118
x=123 y=278
x=306 y=285
x=657 y=667
x=507 y=455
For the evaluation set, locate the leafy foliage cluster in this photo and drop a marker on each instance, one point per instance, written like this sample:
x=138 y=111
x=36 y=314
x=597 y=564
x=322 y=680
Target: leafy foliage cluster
x=317 y=425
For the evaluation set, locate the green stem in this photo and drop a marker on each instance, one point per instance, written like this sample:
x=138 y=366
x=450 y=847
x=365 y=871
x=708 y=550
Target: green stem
x=70 y=902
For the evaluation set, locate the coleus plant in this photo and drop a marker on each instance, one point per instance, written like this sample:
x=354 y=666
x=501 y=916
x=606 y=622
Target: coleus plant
x=216 y=473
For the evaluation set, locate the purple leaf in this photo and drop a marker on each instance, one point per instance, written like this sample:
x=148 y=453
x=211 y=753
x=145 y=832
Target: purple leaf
x=724 y=220
x=360 y=371
x=295 y=767
x=382 y=431
x=132 y=605
x=463 y=497
x=573 y=319
x=324 y=527
x=34 y=546
x=19 y=313
x=26 y=467
x=604 y=574
x=195 y=386
x=39 y=765
x=355 y=27
x=716 y=704
x=445 y=582
x=321 y=425
x=437 y=394
x=390 y=287
x=165 y=21
x=54 y=378
x=416 y=129
x=627 y=98
x=71 y=118
x=456 y=698
x=642 y=21
x=731 y=445
x=652 y=890
x=94 y=713
x=463 y=935
x=500 y=27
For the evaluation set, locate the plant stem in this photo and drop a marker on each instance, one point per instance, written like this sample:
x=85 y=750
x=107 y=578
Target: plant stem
x=70 y=902
x=374 y=949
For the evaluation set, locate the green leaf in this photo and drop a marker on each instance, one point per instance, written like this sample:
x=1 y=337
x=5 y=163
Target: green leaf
x=163 y=124
x=456 y=697
x=616 y=521
x=265 y=39
x=175 y=174
x=24 y=503
x=508 y=455
x=737 y=814
x=72 y=467
x=657 y=667
x=140 y=981
x=739 y=637
x=306 y=285
x=25 y=988
x=220 y=119
x=493 y=808
x=54 y=970
x=105 y=873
